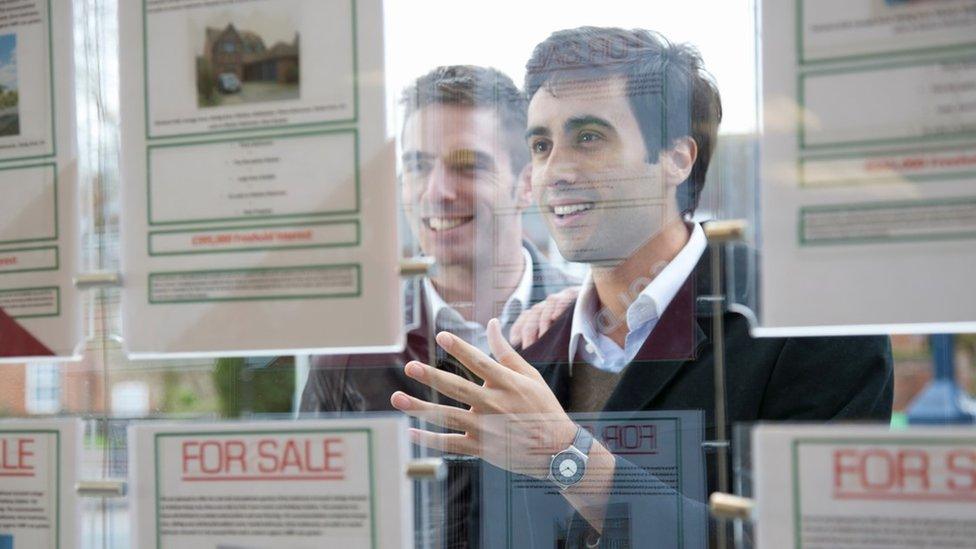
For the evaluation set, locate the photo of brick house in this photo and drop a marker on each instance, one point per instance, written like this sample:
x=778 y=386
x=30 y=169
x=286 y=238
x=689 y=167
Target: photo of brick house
x=237 y=66
x=245 y=54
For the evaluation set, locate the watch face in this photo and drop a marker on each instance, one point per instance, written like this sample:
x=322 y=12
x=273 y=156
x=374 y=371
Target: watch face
x=567 y=468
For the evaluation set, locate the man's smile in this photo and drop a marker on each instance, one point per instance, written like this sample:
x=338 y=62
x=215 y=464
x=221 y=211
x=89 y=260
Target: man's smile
x=441 y=224
x=569 y=210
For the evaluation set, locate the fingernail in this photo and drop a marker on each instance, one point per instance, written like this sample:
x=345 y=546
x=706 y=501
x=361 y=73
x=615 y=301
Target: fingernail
x=445 y=340
x=414 y=435
x=400 y=401
x=414 y=370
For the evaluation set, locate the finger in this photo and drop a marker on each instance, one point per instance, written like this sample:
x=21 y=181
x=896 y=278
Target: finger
x=524 y=325
x=449 y=417
x=453 y=443
x=446 y=383
x=566 y=298
x=544 y=324
x=530 y=325
x=478 y=362
x=504 y=352
x=555 y=306
x=514 y=333
x=529 y=334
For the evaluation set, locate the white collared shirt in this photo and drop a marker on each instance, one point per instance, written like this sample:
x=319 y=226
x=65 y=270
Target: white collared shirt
x=602 y=352
x=446 y=318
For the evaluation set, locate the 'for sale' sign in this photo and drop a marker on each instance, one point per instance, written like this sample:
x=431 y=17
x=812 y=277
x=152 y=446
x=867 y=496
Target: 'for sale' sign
x=865 y=487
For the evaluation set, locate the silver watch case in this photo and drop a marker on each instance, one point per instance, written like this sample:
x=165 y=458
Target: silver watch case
x=558 y=474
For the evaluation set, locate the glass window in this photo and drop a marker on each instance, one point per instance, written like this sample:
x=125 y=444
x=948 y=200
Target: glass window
x=43 y=389
x=130 y=399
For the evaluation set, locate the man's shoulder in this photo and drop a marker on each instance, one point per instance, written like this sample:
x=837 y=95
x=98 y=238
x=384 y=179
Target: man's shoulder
x=831 y=377
x=842 y=349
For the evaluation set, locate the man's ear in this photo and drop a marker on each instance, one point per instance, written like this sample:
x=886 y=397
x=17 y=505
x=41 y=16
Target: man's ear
x=523 y=188
x=678 y=161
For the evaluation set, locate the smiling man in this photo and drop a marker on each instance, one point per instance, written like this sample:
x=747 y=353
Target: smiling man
x=463 y=197
x=464 y=161
x=462 y=158
x=621 y=128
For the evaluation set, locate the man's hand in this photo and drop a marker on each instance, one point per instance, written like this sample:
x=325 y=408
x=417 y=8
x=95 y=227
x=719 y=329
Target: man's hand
x=534 y=322
x=507 y=415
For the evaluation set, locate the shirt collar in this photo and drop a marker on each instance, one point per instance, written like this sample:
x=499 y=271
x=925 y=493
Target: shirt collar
x=656 y=296
x=584 y=317
x=522 y=296
x=647 y=307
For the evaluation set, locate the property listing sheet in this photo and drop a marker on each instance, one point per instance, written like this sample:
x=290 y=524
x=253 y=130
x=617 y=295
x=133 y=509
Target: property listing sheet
x=864 y=487
x=308 y=484
x=868 y=166
x=658 y=486
x=38 y=507
x=259 y=192
x=39 y=309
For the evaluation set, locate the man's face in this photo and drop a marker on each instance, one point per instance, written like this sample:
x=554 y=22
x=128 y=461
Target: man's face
x=459 y=190
x=598 y=193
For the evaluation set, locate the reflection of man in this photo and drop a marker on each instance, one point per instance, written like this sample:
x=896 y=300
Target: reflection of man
x=463 y=153
x=621 y=127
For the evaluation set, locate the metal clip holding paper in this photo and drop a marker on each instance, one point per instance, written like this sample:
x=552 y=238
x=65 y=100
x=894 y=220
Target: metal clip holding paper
x=101 y=488
x=98 y=279
x=728 y=506
x=416 y=266
x=427 y=469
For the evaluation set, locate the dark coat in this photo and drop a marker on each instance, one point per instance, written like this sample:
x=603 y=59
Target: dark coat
x=820 y=379
x=769 y=379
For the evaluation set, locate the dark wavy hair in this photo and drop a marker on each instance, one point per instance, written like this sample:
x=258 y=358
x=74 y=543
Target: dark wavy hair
x=670 y=93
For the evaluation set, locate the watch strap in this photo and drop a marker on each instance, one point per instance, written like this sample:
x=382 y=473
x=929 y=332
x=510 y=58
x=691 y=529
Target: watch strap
x=583 y=441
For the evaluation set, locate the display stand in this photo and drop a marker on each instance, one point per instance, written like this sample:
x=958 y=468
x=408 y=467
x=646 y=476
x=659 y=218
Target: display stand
x=720 y=233
x=423 y=467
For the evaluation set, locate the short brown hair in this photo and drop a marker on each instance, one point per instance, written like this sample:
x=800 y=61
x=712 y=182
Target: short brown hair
x=669 y=91
x=472 y=86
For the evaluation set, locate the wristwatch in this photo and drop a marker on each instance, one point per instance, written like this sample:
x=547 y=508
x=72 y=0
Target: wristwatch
x=568 y=467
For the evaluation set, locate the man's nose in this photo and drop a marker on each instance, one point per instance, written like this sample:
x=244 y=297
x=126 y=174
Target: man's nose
x=560 y=167
x=442 y=183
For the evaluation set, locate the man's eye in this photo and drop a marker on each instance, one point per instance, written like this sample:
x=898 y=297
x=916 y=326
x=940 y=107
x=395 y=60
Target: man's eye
x=466 y=169
x=476 y=166
x=589 y=137
x=540 y=147
x=416 y=167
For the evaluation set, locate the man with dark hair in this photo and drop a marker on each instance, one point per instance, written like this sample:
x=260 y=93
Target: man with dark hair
x=464 y=159
x=621 y=126
x=667 y=88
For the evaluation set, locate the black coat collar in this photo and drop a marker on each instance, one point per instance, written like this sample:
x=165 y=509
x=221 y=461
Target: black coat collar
x=676 y=340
